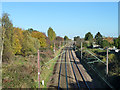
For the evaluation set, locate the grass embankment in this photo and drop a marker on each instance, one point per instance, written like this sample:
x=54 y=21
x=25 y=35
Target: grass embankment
x=22 y=72
x=47 y=71
x=113 y=59
x=114 y=65
x=19 y=73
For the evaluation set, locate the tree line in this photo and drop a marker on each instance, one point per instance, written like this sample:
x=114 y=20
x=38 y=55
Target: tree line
x=17 y=41
x=98 y=40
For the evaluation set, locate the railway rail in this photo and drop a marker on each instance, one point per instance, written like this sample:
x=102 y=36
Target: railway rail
x=74 y=71
x=66 y=70
x=74 y=66
x=60 y=70
x=80 y=72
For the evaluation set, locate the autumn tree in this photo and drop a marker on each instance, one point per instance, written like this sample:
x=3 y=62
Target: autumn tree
x=58 y=38
x=17 y=40
x=41 y=37
x=51 y=34
x=16 y=44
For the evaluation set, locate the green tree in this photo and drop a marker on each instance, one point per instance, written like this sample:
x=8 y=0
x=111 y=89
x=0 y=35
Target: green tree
x=30 y=30
x=7 y=28
x=78 y=41
x=117 y=42
x=28 y=44
x=51 y=34
x=1 y=43
x=98 y=38
x=36 y=43
x=105 y=43
x=66 y=38
x=89 y=37
x=77 y=38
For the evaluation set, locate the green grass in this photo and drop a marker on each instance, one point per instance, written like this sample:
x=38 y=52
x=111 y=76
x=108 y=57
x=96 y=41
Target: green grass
x=47 y=71
x=18 y=73
x=113 y=61
x=114 y=69
x=22 y=72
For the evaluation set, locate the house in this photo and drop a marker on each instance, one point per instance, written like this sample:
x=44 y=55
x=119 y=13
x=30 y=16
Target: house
x=114 y=49
x=95 y=45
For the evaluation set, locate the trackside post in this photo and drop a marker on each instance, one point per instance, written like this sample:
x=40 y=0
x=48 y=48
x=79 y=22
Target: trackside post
x=107 y=63
x=81 y=50
x=38 y=69
x=60 y=45
x=54 y=48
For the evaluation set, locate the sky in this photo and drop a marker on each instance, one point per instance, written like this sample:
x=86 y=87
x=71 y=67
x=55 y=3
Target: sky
x=66 y=18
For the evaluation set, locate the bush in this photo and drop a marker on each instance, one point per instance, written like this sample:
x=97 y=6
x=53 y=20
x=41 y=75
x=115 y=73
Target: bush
x=112 y=57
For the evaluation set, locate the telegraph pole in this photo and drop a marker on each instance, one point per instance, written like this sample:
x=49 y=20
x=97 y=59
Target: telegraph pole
x=60 y=44
x=107 y=63
x=75 y=45
x=38 y=70
x=54 y=48
x=81 y=50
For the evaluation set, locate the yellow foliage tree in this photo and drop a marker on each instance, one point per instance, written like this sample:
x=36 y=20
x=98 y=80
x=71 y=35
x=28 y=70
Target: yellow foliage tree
x=17 y=40
x=41 y=37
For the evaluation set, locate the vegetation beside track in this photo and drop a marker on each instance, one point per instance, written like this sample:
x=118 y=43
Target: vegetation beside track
x=19 y=54
x=22 y=72
x=47 y=70
x=114 y=66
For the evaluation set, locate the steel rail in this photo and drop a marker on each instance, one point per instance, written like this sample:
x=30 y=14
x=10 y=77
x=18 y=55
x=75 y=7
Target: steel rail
x=74 y=71
x=60 y=71
x=66 y=71
x=80 y=72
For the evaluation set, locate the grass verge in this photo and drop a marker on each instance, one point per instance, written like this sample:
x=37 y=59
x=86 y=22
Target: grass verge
x=47 y=71
x=22 y=72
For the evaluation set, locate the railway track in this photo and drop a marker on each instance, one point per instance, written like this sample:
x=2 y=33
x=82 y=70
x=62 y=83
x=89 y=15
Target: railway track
x=60 y=71
x=66 y=70
x=74 y=71
x=63 y=81
x=80 y=72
